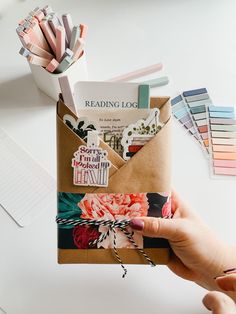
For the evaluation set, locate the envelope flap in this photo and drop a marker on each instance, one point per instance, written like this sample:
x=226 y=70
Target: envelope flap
x=147 y=171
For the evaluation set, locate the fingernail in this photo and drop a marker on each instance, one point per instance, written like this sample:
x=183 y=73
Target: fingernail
x=231 y=270
x=136 y=224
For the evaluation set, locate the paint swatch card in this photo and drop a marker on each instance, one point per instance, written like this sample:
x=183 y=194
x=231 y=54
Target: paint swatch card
x=198 y=101
x=111 y=95
x=222 y=124
x=182 y=114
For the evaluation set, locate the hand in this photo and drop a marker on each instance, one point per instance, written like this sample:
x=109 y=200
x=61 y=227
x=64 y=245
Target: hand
x=218 y=302
x=198 y=255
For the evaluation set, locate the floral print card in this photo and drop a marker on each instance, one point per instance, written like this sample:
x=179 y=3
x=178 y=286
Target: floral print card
x=108 y=207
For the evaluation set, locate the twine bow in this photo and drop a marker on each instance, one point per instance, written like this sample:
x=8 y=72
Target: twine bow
x=112 y=225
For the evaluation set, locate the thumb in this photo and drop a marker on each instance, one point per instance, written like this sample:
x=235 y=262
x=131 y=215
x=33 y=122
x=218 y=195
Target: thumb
x=219 y=303
x=157 y=227
x=227 y=283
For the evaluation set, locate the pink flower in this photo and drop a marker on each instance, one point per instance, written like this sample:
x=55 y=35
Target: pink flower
x=166 y=209
x=95 y=206
x=82 y=235
x=115 y=207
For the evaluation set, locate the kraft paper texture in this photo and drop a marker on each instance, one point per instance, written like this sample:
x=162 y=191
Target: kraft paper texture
x=147 y=171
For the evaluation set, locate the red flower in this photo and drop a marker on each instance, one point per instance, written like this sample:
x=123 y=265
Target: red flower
x=166 y=209
x=83 y=235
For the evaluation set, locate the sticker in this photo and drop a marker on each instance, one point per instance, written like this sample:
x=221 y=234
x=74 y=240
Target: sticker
x=80 y=126
x=90 y=163
x=136 y=135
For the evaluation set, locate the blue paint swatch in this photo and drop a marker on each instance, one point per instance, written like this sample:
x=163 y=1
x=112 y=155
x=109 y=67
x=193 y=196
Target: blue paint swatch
x=220 y=109
x=180 y=113
x=175 y=100
x=194 y=92
x=229 y=115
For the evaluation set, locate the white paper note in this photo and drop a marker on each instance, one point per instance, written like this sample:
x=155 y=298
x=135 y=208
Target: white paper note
x=26 y=189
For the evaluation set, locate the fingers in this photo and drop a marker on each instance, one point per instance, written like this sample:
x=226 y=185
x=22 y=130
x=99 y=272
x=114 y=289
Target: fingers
x=157 y=227
x=227 y=283
x=219 y=303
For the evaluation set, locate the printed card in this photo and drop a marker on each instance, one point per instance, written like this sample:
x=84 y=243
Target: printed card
x=106 y=95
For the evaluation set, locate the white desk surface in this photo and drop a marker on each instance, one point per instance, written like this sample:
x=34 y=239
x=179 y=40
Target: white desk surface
x=196 y=41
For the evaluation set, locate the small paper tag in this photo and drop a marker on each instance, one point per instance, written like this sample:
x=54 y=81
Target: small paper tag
x=90 y=163
x=136 y=135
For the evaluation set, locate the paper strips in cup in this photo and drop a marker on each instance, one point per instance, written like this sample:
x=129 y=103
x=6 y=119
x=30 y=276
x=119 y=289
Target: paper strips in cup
x=97 y=217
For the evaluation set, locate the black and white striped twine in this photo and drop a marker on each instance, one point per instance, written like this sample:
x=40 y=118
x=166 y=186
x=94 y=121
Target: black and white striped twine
x=112 y=225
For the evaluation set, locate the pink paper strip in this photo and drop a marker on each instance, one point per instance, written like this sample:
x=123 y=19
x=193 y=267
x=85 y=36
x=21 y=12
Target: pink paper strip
x=225 y=171
x=139 y=73
x=225 y=163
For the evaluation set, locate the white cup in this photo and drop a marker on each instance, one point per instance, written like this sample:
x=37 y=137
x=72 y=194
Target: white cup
x=49 y=83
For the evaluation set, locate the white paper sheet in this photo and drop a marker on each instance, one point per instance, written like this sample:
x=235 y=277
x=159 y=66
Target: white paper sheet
x=26 y=189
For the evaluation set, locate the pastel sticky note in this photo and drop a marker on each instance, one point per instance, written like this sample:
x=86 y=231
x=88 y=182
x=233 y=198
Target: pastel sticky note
x=143 y=96
x=222 y=121
x=74 y=36
x=225 y=163
x=201 y=122
x=223 y=134
x=64 y=65
x=68 y=24
x=203 y=129
x=214 y=114
x=52 y=66
x=160 y=81
x=176 y=100
x=189 y=124
x=225 y=171
x=198 y=109
x=200 y=116
x=180 y=105
x=204 y=135
x=24 y=52
x=192 y=130
x=206 y=143
x=204 y=102
x=185 y=119
x=197 y=97
x=224 y=155
x=224 y=148
x=224 y=141
x=194 y=92
x=220 y=109
x=230 y=128
x=180 y=113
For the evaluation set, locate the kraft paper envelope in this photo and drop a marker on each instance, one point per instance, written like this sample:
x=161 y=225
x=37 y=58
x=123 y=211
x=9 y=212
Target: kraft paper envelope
x=148 y=171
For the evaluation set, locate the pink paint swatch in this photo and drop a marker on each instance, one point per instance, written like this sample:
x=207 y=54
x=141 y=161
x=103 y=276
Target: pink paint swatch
x=225 y=171
x=225 y=163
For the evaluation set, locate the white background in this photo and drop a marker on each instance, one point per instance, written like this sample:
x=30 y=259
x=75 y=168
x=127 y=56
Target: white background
x=196 y=41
